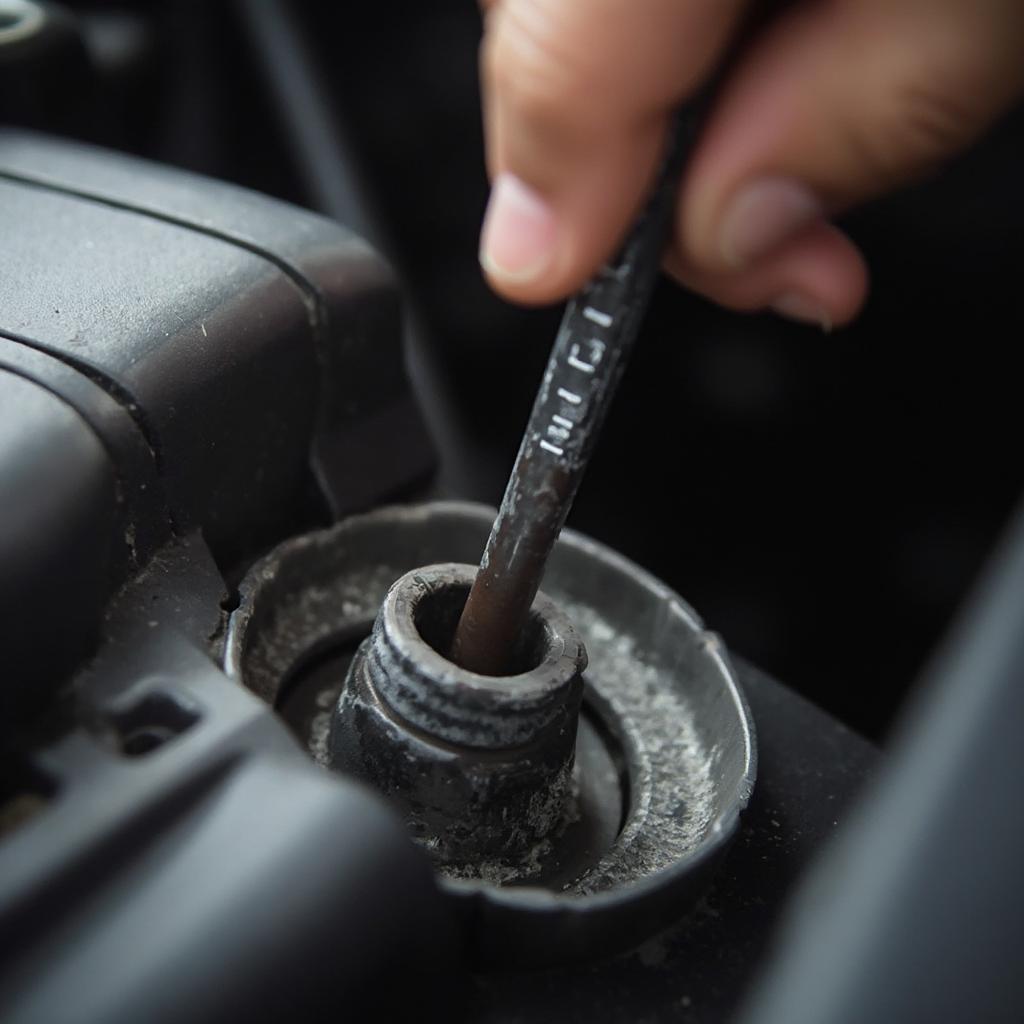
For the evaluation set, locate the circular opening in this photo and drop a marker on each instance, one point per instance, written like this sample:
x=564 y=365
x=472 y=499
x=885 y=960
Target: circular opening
x=436 y=615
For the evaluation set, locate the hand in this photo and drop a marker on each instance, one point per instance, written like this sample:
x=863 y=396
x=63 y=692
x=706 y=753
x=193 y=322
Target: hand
x=833 y=102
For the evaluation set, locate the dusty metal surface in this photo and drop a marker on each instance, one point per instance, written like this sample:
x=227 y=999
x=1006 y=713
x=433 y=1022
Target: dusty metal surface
x=665 y=758
x=671 y=768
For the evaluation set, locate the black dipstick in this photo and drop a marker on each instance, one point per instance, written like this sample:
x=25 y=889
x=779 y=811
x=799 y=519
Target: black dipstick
x=593 y=343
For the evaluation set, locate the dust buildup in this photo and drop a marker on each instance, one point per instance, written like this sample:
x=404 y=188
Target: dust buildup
x=671 y=771
x=320 y=726
x=673 y=791
x=306 y=619
x=672 y=780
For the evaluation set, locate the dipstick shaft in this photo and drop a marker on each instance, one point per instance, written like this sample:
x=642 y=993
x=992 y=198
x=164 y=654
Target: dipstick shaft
x=591 y=348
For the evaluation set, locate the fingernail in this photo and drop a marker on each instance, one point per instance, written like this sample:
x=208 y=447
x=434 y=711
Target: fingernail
x=763 y=215
x=517 y=241
x=795 y=306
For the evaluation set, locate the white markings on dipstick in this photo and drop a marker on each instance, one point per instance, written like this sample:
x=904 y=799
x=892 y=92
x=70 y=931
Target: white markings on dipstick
x=596 y=353
x=584 y=357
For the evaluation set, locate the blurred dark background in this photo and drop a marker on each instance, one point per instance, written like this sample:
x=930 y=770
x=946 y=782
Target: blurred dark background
x=824 y=502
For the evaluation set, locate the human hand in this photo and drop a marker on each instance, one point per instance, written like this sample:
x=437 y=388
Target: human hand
x=833 y=102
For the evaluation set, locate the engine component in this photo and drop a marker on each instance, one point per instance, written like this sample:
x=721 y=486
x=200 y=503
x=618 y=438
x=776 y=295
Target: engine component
x=665 y=756
x=188 y=372
x=162 y=313
x=166 y=848
x=480 y=765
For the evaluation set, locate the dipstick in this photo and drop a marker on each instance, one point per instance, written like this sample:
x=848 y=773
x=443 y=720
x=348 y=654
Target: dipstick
x=591 y=348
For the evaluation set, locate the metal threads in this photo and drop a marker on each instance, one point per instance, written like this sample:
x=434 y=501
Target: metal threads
x=481 y=765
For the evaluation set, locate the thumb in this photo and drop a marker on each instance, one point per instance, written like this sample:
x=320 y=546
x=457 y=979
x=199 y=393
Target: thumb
x=835 y=103
x=577 y=97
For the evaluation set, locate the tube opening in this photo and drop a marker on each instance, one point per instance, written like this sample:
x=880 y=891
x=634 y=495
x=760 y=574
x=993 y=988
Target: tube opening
x=436 y=615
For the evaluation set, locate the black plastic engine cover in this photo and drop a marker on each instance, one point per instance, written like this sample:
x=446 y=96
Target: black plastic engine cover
x=238 y=359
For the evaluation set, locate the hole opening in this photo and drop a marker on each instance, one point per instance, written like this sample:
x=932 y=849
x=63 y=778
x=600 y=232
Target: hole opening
x=436 y=615
x=150 y=723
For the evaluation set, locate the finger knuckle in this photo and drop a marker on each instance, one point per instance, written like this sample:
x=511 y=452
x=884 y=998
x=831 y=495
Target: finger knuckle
x=530 y=63
x=924 y=121
x=935 y=120
x=922 y=126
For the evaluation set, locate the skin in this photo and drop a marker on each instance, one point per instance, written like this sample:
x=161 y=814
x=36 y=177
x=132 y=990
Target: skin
x=830 y=103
